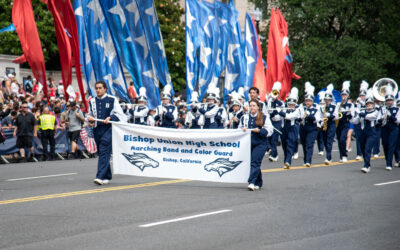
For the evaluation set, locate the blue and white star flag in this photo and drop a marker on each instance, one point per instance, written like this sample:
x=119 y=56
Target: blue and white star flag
x=152 y=30
x=126 y=27
x=103 y=55
x=85 y=57
x=192 y=34
x=251 y=52
x=235 y=73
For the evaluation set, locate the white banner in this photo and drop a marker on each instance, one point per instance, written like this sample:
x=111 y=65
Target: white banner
x=205 y=155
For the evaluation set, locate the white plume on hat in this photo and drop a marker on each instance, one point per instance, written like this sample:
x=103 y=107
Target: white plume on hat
x=194 y=97
x=346 y=86
x=364 y=86
x=241 y=93
x=329 y=89
x=321 y=95
x=309 y=89
x=166 y=90
x=369 y=95
x=277 y=86
x=213 y=89
x=294 y=93
x=389 y=90
x=142 y=91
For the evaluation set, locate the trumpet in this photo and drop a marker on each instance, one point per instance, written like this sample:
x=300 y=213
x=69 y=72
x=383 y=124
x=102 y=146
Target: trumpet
x=283 y=108
x=274 y=93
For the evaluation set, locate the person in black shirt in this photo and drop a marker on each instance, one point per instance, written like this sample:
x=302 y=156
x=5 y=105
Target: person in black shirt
x=24 y=130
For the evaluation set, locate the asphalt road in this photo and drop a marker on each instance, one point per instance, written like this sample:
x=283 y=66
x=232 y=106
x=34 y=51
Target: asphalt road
x=324 y=207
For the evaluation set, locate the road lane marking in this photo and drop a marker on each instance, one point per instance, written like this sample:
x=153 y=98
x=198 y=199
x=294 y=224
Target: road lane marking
x=386 y=183
x=316 y=165
x=185 y=218
x=39 y=177
x=151 y=184
x=90 y=191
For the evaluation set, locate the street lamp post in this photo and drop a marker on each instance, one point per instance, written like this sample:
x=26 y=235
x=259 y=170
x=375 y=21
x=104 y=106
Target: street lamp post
x=257 y=13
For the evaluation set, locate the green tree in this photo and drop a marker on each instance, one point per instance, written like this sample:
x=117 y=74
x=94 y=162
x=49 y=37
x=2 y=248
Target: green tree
x=173 y=32
x=9 y=41
x=333 y=41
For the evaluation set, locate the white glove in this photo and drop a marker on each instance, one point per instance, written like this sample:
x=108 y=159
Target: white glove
x=164 y=110
x=278 y=109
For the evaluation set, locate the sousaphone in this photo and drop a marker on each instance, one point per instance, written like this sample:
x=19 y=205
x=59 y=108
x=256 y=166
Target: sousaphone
x=379 y=88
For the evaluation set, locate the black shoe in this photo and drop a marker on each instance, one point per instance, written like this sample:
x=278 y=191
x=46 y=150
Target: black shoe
x=23 y=160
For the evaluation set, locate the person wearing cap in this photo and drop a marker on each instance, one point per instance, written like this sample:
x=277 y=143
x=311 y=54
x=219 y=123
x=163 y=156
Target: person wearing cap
x=311 y=121
x=289 y=135
x=74 y=120
x=330 y=113
x=106 y=108
x=357 y=126
x=221 y=118
x=367 y=118
x=261 y=129
x=194 y=119
x=167 y=113
x=397 y=150
x=320 y=137
x=390 y=127
x=271 y=104
x=236 y=114
x=211 y=109
x=140 y=112
x=347 y=111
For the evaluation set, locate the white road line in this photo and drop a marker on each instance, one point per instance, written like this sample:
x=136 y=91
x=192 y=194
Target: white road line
x=386 y=183
x=38 y=177
x=185 y=218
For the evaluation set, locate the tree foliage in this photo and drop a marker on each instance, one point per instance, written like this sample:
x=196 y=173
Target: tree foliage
x=173 y=32
x=334 y=41
x=9 y=41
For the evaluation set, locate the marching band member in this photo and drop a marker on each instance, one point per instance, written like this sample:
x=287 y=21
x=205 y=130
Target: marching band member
x=221 y=117
x=254 y=93
x=104 y=107
x=357 y=126
x=390 y=127
x=311 y=121
x=289 y=132
x=150 y=118
x=140 y=112
x=194 y=119
x=261 y=129
x=211 y=109
x=167 y=113
x=236 y=114
x=272 y=102
x=320 y=137
x=367 y=119
x=378 y=128
x=397 y=150
x=330 y=114
x=345 y=109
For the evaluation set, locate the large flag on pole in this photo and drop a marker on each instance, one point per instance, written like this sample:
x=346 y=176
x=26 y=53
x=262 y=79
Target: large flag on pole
x=250 y=51
x=103 y=55
x=279 y=58
x=25 y=25
x=70 y=33
x=259 y=80
x=64 y=46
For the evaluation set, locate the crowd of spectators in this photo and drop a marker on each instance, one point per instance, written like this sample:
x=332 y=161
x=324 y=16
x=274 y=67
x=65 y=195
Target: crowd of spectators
x=25 y=110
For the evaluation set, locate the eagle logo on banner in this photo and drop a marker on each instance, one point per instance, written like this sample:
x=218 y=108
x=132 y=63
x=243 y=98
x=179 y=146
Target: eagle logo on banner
x=141 y=161
x=222 y=166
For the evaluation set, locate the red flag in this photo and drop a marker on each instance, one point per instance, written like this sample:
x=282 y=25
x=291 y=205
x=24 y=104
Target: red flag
x=68 y=42
x=259 y=73
x=20 y=59
x=25 y=25
x=279 y=58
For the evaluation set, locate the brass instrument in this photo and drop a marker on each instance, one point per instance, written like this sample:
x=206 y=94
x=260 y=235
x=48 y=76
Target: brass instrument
x=274 y=93
x=379 y=88
x=325 y=120
x=340 y=113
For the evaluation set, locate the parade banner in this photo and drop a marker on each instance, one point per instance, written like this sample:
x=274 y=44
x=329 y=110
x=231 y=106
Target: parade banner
x=205 y=155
